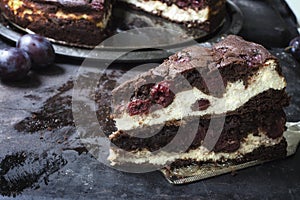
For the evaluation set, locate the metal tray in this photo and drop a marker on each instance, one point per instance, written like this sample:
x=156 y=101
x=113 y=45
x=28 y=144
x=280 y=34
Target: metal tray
x=147 y=50
x=194 y=173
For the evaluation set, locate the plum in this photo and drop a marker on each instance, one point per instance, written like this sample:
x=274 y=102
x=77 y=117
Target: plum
x=39 y=49
x=14 y=64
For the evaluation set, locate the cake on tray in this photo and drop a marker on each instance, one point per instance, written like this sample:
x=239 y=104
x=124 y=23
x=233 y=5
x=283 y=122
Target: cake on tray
x=236 y=85
x=76 y=22
x=84 y=22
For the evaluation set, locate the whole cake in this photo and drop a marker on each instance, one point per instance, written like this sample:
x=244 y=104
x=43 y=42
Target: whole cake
x=228 y=98
x=72 y=21
x=84 y=22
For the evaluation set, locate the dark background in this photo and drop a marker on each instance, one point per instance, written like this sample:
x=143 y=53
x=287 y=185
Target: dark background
x=38 y=161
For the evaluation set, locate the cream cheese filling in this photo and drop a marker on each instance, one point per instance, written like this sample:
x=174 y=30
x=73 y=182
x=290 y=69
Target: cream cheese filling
x=235 y=96
x=172 y=12
x=248 y=145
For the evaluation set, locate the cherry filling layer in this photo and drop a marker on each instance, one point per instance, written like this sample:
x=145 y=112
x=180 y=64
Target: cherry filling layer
x=200 y=105
x=149 y=95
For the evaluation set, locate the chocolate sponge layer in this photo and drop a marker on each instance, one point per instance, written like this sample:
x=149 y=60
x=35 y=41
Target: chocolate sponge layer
x=263 y=112
x=262 y=153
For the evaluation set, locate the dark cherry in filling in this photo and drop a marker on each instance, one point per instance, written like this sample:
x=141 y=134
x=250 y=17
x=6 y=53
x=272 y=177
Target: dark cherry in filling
x=149 y=95
x=161 y=94
x=200 y=105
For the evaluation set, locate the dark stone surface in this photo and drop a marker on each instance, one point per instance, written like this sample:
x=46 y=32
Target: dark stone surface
x=51 y=162
x=268 y=22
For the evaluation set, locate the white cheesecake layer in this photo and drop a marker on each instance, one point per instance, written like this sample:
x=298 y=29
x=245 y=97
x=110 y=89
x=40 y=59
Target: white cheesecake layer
x=235 y=96
x=172 y=12
x=248 y=145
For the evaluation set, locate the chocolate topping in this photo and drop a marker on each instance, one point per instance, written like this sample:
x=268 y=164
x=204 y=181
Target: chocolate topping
x=235 y=50
x=208 y=69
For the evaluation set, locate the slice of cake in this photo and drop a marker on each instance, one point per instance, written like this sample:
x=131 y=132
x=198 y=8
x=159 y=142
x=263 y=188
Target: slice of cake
x=213 y=105
x=77 y=22
x=201 y=13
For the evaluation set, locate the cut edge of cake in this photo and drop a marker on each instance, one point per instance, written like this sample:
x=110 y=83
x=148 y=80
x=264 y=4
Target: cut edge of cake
x=242 y=63
x=185 y=74
x=205 y=14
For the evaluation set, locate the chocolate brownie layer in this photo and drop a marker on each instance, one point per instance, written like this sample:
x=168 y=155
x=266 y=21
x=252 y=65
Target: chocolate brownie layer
x=262 y=153
x=268 y=100
x=162 y=157
x=236 y=127
x=77 y=22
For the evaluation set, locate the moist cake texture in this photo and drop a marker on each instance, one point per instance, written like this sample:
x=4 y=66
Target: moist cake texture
x=76 y=22
x=236 y=80
x=84 y=22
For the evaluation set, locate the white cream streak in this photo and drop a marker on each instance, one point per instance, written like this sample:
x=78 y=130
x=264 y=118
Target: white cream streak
x=236 y=95
x=172 y=12
x=248 y=145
